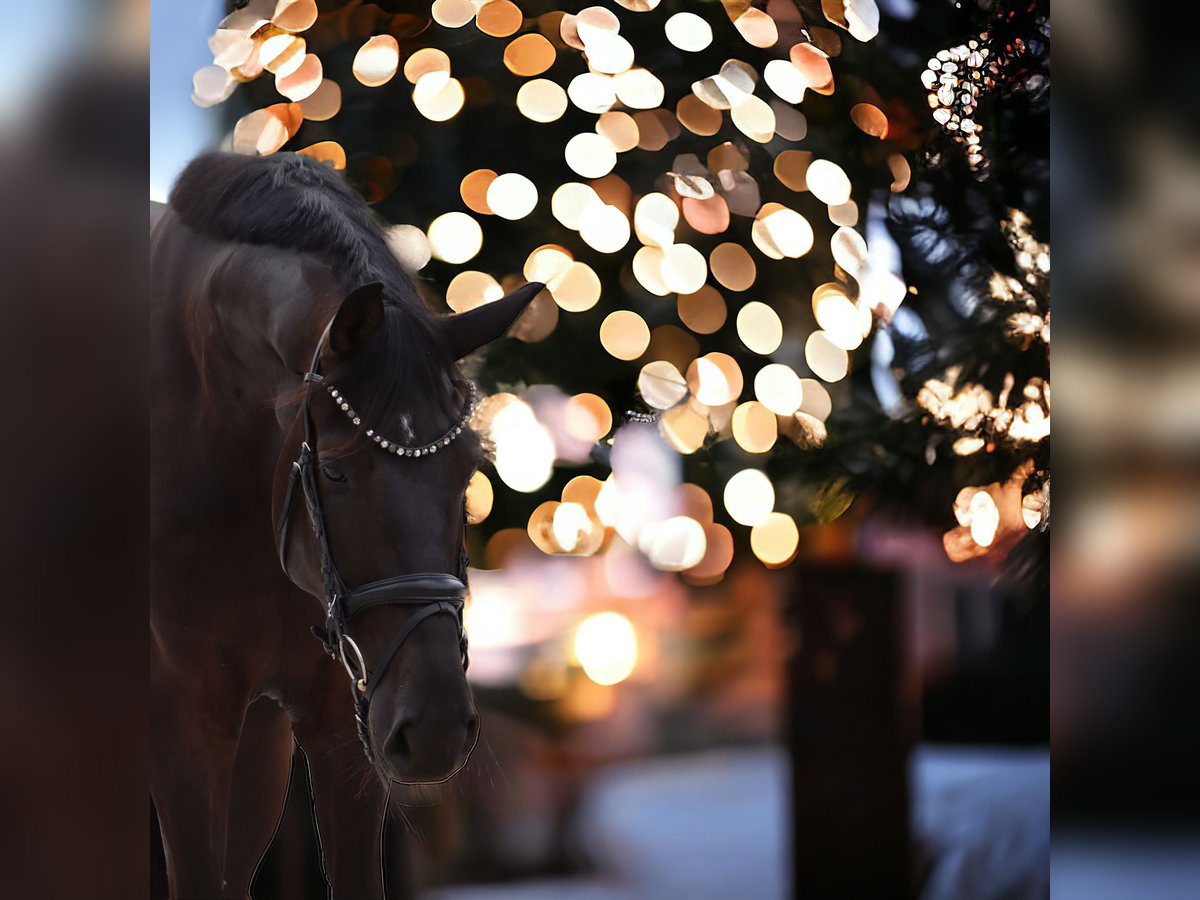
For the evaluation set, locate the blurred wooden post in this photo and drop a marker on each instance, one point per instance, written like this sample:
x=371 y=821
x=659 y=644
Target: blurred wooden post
x=850 y=733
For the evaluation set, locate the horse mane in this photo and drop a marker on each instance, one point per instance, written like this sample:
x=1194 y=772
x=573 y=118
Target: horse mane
x=295 y=202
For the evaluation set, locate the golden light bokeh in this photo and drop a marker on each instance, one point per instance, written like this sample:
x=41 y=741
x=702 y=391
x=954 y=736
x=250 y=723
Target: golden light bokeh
x=511 y=196
x=324 y=103
x=684 y=269
x=469 y=289
x=697 y=116
x=647 y=269
x=778 y=388
x=588 y=418
x=828 y=361
x=480 y=498
x=754 y=427
x=759 y=328
x=452 y=13
x=576 y=288
x=619 y=129
x=676 y=544
x=785 y=80
x=524 y=449
x=624 y=334
x=837 y=315
x=791 y=167
x=529 y=55
x=499 y=18
x=282 y=54
x=684 y=428
x=661 y=384
x=610 y=55
x=707 y=188
x=755 y=119
x=604 y=228
x=870 y=119
x=541 y=100
x=303 y=81
x=328 y=152
x=732 y=266
x=409 y=245
x=606 y=647
x=718 y=555
x=656 y=128
x=570 y=201
x=592 y=92
x=828 y=182
x=438 y=98
x=428 y=60
x=703 y=311
x=455 y=237
x=655 y=219
x=590 y=155
x=294 y=15
x=775 y=540
x=812 y=64
x=817 y=402
x=715 y=379
x=473 y=190
x=546 y=263
x=377 y=60
x=265 y=131
x=781 y=233
x=688 y=32
x=639 y=88
x=749 y=497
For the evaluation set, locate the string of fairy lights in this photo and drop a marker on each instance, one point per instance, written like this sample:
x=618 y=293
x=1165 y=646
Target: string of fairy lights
x=677 y=240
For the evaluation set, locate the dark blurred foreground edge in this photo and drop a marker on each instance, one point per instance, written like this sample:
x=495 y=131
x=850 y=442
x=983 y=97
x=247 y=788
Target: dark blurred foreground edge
x=74 y=754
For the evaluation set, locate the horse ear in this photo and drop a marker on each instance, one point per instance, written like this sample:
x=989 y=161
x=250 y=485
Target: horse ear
x=358 y=319
x=467 y=332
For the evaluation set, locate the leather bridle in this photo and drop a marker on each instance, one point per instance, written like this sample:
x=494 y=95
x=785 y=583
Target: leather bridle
x=429 y=593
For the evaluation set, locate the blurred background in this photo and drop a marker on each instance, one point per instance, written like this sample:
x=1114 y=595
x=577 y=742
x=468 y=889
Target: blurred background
x=841 y=710
x=742 y=619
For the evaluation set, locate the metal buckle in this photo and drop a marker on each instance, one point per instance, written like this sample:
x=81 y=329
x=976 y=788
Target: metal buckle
x=359 y=678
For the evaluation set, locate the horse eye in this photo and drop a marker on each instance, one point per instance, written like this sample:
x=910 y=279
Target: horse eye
x=332 y=473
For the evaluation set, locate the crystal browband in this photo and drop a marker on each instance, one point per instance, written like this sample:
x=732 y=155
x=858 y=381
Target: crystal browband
x=399 y=449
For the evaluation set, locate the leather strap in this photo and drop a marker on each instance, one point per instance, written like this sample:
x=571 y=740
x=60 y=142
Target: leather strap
x=435 y=592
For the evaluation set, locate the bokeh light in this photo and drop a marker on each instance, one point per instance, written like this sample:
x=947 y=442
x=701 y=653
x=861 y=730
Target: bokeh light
x=606 y=647
x=749 y=497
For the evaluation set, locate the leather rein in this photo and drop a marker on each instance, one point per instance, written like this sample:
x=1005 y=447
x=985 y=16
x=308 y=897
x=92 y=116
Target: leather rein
x=429 y=593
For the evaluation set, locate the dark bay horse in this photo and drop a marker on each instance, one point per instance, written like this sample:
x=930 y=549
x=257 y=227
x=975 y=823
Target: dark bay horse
x=309 y=464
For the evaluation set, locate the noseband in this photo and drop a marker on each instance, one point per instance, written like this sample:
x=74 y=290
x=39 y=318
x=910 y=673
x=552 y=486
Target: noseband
x=429 y=593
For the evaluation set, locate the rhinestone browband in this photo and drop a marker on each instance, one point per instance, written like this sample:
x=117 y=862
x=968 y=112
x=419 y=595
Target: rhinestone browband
x=399 y=449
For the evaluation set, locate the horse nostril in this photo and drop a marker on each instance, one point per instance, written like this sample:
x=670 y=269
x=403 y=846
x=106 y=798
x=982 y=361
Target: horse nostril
x=397 y=745
x=472 y=732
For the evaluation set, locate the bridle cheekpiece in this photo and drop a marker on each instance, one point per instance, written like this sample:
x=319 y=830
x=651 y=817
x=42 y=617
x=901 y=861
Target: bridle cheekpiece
x=430 y=593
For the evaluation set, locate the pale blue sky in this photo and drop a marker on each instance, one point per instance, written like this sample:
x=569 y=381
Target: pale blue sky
x=179 y=31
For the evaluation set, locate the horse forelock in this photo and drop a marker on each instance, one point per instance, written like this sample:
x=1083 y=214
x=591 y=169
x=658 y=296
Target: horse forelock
x=296 y=203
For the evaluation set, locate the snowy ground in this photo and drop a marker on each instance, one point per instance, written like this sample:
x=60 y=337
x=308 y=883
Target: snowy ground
x=713 y=826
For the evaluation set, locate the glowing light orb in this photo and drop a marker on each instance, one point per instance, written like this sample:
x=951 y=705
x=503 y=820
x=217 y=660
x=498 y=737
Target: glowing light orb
x=604 y=228
x=590 y=155
x=541 y=100
x=688 y=32
x=828 y=182
x=606 y=647
x=774 y=541
x=749 y=497
x=624 y=334
x=377 y=60
x=455 y=237
x=759 y=328
x=778 y=388
x=512 y=196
